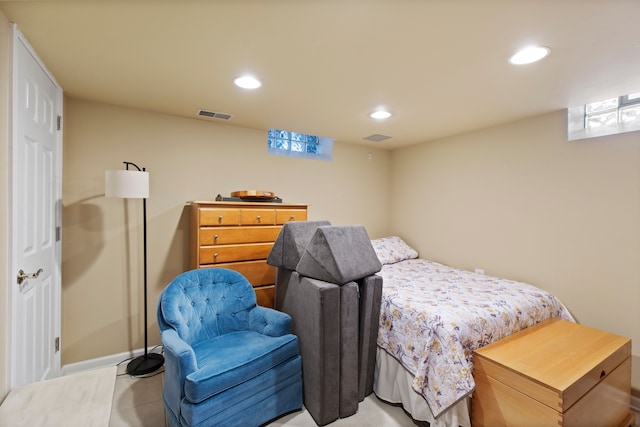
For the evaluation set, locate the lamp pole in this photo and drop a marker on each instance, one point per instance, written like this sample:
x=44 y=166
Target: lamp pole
x=149 y=362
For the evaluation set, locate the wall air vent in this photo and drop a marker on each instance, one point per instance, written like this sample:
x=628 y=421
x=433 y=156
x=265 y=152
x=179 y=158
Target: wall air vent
x=214 y=115
x=377 y=137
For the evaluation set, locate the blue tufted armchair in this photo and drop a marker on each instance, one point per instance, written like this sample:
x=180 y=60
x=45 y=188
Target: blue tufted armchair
x=228 y=362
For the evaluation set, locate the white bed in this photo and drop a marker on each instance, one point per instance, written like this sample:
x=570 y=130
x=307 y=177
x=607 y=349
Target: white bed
x=432 y=318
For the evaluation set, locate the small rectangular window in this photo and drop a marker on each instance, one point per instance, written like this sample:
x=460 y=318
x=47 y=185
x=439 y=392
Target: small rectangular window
x=606 y=117
x=599 y=106
x=294 y=144
x=630 y=113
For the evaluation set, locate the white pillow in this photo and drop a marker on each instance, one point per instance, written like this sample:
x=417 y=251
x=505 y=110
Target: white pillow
x=393 y=249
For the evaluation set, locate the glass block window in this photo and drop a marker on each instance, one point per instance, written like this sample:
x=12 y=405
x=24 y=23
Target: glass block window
x=606 y=117
x=294 y=144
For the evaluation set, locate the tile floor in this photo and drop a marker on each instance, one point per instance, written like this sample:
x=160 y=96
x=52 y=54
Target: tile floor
x=137 y=402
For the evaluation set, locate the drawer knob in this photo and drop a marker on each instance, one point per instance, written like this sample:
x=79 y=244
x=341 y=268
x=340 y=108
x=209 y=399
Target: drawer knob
x=291 y=218
x=258 y=218
x=215 y=256
x=215 y=237
x=220 y=218
x=602 y=374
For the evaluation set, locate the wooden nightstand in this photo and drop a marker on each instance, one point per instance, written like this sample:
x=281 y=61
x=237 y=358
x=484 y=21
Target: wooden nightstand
x=556 y=373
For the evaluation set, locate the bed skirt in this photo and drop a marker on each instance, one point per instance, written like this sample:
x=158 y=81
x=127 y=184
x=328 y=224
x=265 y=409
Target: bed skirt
x=392 y=383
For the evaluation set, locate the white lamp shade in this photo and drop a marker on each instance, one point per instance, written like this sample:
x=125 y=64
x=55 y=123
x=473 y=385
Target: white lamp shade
x=126 y=184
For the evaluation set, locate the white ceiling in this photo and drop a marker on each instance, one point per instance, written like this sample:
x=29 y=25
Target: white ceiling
x=439 y=66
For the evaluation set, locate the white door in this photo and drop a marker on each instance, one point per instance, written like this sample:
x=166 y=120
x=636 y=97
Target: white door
x=36 y=207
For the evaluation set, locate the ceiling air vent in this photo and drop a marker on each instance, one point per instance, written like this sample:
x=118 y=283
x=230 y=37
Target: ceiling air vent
x=213 y=115
x=377 y=137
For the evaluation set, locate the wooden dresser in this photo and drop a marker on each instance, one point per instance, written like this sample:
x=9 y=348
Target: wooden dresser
x=239 y=236
x=556 y=373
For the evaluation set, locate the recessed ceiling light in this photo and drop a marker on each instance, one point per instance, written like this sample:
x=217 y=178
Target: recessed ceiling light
x=380 y=114
x=529 y=55
x=247 y=82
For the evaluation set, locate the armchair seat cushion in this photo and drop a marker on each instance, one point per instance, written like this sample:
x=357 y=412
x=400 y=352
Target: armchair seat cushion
x=231 y=359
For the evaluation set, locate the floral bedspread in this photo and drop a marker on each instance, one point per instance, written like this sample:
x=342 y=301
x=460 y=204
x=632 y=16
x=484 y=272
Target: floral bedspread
x=433 y=317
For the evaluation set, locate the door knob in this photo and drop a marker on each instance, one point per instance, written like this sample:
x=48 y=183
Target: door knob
x=22 y=276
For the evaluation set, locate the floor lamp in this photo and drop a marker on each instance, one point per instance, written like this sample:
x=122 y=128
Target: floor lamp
x=134 y=184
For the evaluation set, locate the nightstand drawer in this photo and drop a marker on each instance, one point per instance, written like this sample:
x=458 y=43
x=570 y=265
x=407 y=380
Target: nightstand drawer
x=230 y=235
x=229 y=253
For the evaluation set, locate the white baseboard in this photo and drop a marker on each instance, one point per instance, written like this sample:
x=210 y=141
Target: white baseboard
x=101 y=362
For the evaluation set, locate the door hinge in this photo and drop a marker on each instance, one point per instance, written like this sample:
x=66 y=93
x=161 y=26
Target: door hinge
x=59 y=122
x=57 y=345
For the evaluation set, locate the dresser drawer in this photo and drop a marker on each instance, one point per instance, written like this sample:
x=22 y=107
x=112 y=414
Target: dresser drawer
x=229 y=253
x=258 y=273
x=229 y=235
x=219 y=216
x=265 y=295
x=258 y=217
x=285 y=215
x=239 y=236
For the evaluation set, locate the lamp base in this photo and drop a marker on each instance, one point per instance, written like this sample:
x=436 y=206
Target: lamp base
x=143 y=365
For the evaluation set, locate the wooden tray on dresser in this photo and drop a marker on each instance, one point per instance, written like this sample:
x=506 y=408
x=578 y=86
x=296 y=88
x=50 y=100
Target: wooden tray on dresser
x=254 y=194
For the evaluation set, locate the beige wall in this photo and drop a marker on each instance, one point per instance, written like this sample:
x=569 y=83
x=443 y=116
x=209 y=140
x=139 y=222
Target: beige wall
x=521 y=202
x=516 y=200
x=5 y=306
x=188 y=159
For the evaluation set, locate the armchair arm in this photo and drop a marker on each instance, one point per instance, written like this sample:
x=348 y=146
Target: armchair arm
x=177 y=346
x=270 y=322
x=180 y=361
